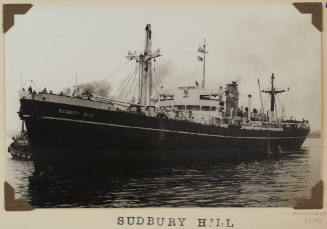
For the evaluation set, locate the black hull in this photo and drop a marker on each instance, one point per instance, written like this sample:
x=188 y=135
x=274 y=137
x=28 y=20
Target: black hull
x=89 y=139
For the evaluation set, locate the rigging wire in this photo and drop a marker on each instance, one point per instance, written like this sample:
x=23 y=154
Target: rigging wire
x=118 y=83
x=33 y=83
x=124 y=81
x=100 y=84
x=286 y=97
x=125 y=86
x=134 y=91
x=283 y=108
x=131 y=85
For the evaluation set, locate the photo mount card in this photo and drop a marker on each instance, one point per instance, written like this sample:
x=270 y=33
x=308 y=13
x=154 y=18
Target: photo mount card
x=153 y=150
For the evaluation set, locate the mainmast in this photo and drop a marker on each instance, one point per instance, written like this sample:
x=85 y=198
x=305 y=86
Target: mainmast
x=202 y=49
x=273 y=92
x=145 y=64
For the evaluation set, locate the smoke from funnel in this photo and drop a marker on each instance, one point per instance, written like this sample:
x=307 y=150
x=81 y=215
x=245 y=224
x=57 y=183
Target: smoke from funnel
x=96 y=87
x=67 y=91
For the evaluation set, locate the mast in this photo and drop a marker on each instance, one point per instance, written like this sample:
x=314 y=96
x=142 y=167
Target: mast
x=145 y=64
x=147 y=67
x=202 y=49
x=272 y=97
x=273 y=92
x=204 y=67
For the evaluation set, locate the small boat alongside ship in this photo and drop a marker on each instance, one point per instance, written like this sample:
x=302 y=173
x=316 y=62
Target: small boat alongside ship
x=157 y=126
x=20 y=147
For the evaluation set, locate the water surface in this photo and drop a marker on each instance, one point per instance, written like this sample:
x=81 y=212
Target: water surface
x=266 y=182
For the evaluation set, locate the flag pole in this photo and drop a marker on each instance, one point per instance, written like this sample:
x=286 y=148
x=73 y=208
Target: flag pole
x=202 y=49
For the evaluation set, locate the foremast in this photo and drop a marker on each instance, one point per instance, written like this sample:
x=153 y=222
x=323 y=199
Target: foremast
x=145 y=61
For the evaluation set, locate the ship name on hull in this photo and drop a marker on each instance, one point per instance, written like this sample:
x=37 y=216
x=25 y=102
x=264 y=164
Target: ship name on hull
x=75 y=113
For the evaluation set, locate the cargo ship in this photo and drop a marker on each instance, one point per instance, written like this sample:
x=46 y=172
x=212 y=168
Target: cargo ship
x=157 y=126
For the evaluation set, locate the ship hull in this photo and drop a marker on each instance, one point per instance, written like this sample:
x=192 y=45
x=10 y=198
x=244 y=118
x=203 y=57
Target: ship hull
x=69 y=137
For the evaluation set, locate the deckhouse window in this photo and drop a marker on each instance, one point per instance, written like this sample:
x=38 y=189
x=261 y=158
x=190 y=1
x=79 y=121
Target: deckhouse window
x=166 y=97
x=209 y=97
x=192 y=107
x=206 y=97
x=180 y=107
x=212 y=108
x=205 y=108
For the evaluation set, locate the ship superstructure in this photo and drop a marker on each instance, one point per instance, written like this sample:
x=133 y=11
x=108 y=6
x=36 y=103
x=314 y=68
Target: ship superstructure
x=156 y=126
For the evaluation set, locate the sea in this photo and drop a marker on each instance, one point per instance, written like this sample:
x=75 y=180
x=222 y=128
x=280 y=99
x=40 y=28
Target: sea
x=278 y=181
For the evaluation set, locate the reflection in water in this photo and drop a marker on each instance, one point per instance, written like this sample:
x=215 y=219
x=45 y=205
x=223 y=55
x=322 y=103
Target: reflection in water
x=273 y=181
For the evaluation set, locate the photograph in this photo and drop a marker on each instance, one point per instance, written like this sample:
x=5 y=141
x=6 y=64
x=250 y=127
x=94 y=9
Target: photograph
x=133 y=106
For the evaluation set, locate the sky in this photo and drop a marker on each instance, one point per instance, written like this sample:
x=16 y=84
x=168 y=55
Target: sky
x=50 y=44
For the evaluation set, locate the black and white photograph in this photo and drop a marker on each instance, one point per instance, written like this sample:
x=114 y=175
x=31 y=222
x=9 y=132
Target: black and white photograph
x=133 y=106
